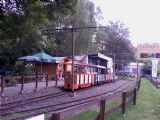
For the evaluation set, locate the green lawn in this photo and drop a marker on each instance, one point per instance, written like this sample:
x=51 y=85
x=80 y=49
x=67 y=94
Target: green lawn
x=147 y=108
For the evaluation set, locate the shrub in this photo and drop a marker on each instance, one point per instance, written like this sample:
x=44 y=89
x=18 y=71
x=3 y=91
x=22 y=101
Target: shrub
x=53 y=77
x=12 y=82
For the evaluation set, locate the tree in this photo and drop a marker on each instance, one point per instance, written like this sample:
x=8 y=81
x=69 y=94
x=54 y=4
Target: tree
x=83 y=16
x=22 y=23
x=116 y=39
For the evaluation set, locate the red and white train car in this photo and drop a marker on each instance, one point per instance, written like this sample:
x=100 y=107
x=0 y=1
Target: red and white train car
x=85 y=75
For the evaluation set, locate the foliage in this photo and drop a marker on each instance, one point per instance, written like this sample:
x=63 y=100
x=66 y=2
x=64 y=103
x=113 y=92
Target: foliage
x=147 y=64
x=23 y=26
x=147 y=67
x=53 y=77
x=83 y=16
x=27 y=27
x=101 y=37
x=19 y=66
x=116 y=39
x=12 y=82
x=22 y=23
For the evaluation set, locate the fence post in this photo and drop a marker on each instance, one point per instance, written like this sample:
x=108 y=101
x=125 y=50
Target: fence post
x=123 y=102
x=139 y=84
x=46 y=81
x=55 y=116
x=22 y=84
x=2 y=86
x=102 y=109
x=37 y=78
x=134 y=96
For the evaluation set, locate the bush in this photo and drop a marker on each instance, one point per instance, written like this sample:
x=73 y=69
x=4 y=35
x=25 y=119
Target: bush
x=12 y=83
x=53 y=77
x=19 y=66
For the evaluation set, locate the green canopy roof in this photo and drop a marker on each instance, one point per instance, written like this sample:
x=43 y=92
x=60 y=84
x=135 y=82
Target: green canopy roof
x=44 y=57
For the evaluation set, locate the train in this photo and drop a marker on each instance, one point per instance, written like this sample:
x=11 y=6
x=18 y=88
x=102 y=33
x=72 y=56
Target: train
x=85 y=75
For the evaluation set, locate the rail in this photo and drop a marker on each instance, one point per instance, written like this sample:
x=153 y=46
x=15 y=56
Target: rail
x=70 y=112
x=155 y=82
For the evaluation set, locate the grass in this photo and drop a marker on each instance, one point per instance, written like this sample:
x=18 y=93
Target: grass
x=147 y=107
x=86 y=115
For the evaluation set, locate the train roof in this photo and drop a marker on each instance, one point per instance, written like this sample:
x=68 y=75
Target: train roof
x=99 y=55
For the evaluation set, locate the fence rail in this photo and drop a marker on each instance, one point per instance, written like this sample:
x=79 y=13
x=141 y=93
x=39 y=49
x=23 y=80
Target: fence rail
x=70 y=112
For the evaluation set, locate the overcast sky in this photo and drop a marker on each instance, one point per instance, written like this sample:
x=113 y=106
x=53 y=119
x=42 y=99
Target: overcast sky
x=142 y=17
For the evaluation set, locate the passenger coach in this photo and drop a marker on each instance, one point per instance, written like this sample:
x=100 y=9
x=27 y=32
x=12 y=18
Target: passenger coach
x=89 y=70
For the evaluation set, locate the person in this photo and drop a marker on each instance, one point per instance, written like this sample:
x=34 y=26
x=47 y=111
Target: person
x=57 y=76
x=60 y=75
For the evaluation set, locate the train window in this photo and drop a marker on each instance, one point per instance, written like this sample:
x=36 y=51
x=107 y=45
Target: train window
x=144 y=55
x=75 y=69
x=68 y=68
x=157 y=55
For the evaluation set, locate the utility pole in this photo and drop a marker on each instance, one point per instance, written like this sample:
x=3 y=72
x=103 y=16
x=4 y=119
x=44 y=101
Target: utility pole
x=73 y=47
x=122 y=69
x=137 y=71
x=114 y=67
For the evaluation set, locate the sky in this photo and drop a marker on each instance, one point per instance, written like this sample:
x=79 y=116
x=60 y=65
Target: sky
x=142 y=17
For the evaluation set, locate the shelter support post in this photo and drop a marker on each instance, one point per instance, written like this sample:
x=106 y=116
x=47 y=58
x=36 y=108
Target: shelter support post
x=22 y=84
x=2 y=86
x=47 y=81
x=36 y=85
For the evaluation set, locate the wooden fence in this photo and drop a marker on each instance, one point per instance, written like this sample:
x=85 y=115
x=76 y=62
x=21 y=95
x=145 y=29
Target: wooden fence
x=22 y=79
x=70 y=112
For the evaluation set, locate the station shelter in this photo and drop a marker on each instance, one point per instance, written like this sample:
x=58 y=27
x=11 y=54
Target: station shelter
x=50 y=68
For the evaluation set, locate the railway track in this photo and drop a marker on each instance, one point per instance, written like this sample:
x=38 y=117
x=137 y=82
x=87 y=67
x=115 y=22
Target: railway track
x=155 y=83
x=54 y=107
x=11 y=105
